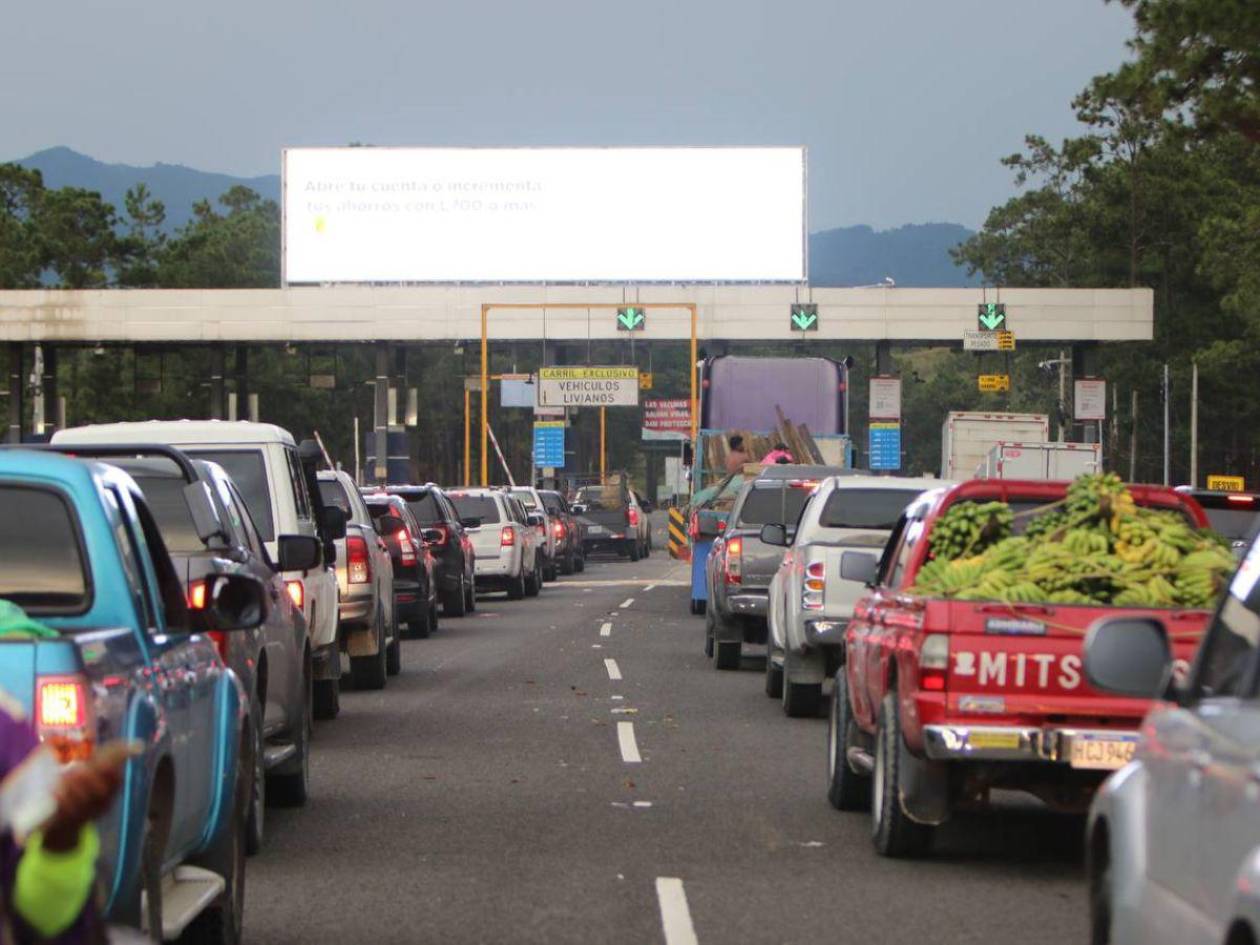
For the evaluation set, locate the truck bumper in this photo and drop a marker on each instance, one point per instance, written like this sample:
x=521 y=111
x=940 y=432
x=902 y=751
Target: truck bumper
x=825 y=631
x=747 y=604
x=1017 y=743
x=355 y=611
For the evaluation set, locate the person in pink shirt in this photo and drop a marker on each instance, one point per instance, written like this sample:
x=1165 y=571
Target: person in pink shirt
x=779 y=455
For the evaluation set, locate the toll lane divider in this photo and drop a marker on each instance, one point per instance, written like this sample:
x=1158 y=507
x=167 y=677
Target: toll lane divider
x=679 y=547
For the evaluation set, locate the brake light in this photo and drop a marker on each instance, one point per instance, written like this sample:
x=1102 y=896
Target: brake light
x=1241 y=499
x=693 y=527
x=632 y=516
x=297 y=593
x=815 y=584
x=197 y=595
x=734 y=561
x=507 y=537
x=358 y=567
x=557 y=529
x=803 y=483
x=406 y=549
x=63 y=716
x=933 y=662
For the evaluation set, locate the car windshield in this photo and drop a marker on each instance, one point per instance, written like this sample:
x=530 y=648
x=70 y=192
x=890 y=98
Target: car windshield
x=865 y=508
x=44 y=571
x=476 y=506
x=249 y=471
x=596 y=498
x=765 y=505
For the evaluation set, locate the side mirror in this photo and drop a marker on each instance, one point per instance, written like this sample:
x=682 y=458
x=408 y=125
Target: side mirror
x=205 y=515
x=390 y=525
x=309 y=453
x=432 y=536
x=298 y=552
x=470 y=523
x=332 y=523
x=774 y=535
x=1128 y=656
x=233 y=602
x=578 y=509
x=859 y=566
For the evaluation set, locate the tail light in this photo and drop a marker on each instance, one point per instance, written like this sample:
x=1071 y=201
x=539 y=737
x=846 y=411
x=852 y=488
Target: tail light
x=507 y=537
x=197 y=595
x=406 y=549
x=1241 y=499
x=557 y=529
x=933 y=662
x=297 y=593
x=443 y=535
x=358 y=567
x=693 y=526
x=815 y=584
x=63 y=716
x=734 y=561
x=632 y=516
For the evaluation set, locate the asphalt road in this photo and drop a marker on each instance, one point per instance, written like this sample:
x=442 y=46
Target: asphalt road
x=484 y=797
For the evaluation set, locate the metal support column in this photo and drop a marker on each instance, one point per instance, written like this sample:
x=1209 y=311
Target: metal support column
x=883 y=358
x=218 y=395
x=17 y=387
x=380 y=414
x=48 y=382
x=1082 y=364
x=241 y=371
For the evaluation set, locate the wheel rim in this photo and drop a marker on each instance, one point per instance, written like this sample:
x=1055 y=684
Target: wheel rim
x=258 y=793
x=833 y=737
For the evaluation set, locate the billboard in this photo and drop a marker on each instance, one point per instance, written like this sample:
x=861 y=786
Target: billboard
x=372 y=215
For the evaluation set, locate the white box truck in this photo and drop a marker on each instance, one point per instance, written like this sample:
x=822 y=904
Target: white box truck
x=967 y=437
x=1040 y=461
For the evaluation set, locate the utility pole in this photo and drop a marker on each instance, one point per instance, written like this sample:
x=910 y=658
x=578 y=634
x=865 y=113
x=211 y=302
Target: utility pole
x=1063 y=368
x=1133 y=437
x=1167 y=431
x=1194 y=424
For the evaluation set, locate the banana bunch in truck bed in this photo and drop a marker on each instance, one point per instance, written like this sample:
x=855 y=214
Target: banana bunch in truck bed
x=1095 y=547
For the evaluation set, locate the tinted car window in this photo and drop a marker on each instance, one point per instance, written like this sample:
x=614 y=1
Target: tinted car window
x=249 y=472
x=1234 y=524
x=477 y=506
x=772 y=504
x=331 y=491
x=1229 y=648
x=44 y=571
x=165 y=495
x=425 y=508
x=865 y=508
x=526 y=497
x=552 y=502
x=300 y=495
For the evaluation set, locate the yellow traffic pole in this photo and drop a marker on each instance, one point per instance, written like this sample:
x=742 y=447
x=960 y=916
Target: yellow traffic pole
x=603 y=432
x=485 y=397
x=695 y=404
x=467 y=435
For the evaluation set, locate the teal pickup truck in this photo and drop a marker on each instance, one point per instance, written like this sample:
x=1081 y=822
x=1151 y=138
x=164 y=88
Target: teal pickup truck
x=126 y=658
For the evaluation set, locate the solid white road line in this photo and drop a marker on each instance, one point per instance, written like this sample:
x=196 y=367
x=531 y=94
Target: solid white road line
x=614 y=671
x=605 y=630
x=675 y=916
x=628 y=582
x=650 y=587
x=627 y=602
x=629 y=747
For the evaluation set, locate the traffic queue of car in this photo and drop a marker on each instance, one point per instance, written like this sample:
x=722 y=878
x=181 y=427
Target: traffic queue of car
x=1146 y=717
x=194 y=589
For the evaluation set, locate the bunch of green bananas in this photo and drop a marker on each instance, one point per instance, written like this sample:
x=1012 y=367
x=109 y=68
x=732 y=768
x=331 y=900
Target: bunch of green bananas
x=969 y=527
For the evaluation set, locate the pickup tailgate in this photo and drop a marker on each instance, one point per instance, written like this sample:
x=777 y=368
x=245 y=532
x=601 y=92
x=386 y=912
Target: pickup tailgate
x=1025 y=660
x=840 y=595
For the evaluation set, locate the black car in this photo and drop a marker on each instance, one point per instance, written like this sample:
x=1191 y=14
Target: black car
x=415 y=589
x=452 y=550
x=569 y=531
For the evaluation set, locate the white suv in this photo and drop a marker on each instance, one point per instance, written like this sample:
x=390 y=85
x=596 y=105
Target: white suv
x=264 y=462
x=508 y=554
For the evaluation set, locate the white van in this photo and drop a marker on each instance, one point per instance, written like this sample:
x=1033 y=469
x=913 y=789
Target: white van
x=263 y=461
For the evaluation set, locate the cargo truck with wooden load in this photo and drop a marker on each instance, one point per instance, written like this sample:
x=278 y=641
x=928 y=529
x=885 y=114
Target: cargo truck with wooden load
x=963 y=662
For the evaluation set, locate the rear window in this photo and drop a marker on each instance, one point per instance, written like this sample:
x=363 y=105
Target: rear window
x=425 y=508
x=165 y=498
x=1234 y=523
x=526 y=497
x=476 y=506
x=249 y=472
x=767 y=505
x=44 y=571
x=593 y=497
x=331 y=491
x=551 y=502
x=865 y=508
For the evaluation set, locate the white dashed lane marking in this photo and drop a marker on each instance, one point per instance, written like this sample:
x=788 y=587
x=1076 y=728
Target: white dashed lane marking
x=629 y=747
x=675 y=916
x=627 y=602
x=605 y=630
x=614 y=671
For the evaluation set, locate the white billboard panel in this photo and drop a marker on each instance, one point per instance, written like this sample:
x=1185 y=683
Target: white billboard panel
x=544 y=215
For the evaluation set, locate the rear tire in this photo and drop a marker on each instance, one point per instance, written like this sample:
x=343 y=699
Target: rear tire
x=533 y=583
x=846 y=788
x=456 y=603
x=894 y=834
x=422 y=626
x=633 y=550
x=551 y=572
x=255 y=828
x=369 y=672
x=567 y=563
x=470 y=595
x=516 y=590
x=579 y=563
x=774 y=676
x=800 y=700
x=327 y=699
x=393 y=656
x=728 y=654
x=1100 y=892
x=291 y=788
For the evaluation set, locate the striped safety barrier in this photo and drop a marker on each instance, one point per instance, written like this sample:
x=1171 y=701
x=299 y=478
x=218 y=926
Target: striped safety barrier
x=679 y=546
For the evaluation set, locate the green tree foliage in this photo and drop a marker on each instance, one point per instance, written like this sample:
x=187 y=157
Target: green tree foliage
x=21 y=250
x=239 y=249
x=144 y=240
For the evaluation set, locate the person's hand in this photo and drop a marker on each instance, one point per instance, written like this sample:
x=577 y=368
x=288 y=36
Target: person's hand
x=86 y=791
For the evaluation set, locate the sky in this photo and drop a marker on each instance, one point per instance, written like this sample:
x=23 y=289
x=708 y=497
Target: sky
x=905 y=106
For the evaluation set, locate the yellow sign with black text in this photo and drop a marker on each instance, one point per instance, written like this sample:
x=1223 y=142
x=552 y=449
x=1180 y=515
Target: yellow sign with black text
x=992 y=383
x=1227 y=483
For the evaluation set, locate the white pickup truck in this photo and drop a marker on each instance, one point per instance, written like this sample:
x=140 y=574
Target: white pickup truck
x=809 y=603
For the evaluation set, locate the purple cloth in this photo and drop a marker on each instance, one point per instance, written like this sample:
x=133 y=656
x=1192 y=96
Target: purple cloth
x=17 y=740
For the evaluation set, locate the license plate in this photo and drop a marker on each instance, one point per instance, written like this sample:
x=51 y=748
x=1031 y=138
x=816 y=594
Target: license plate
x=596 y=529
x=1102 y=753
x=1005 y=741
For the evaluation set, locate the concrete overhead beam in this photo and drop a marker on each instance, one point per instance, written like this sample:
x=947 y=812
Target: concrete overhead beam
x=451 y=313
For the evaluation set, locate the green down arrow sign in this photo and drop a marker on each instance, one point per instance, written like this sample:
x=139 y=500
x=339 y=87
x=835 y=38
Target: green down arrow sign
x=805 y=317
x=630 y=319
x=992 y=316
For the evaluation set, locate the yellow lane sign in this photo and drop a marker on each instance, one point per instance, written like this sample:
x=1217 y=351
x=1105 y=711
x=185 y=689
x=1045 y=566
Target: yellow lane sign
x=995 y=382
x=1227 y=483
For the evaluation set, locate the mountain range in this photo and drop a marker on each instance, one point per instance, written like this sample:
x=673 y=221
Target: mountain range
x=911 y=255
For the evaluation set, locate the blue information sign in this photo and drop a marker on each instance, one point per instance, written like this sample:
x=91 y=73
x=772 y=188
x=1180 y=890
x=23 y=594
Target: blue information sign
x=549 y=443
x=885 y=444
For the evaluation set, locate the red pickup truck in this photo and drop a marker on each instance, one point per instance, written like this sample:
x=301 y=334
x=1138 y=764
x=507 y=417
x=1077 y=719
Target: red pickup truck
x=941 y=700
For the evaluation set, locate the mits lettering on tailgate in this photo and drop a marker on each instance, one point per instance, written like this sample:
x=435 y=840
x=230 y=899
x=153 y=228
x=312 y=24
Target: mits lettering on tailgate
x=1037 y=670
